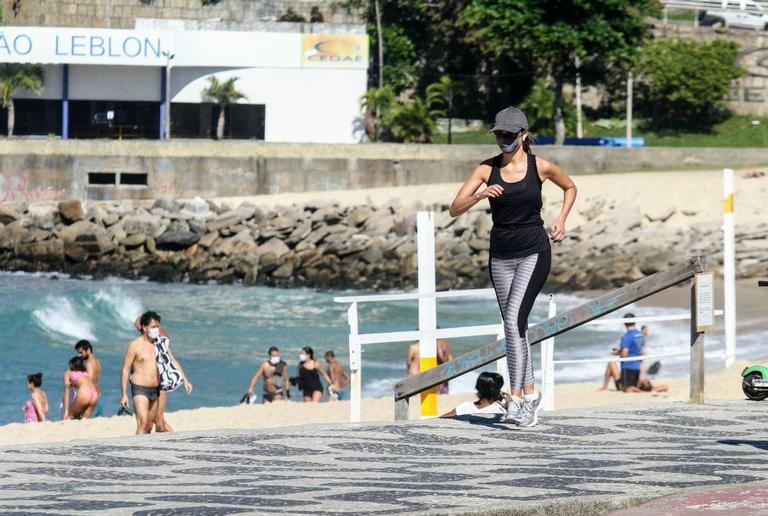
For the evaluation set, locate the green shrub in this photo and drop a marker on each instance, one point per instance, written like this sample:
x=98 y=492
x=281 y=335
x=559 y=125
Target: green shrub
x=683 y=83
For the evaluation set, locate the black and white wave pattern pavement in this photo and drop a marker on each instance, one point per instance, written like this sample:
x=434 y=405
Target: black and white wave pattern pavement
x=601 y=455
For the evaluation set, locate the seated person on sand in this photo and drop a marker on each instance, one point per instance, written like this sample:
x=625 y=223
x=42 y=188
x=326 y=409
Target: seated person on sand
x=612 y=370
x=275 y=372
x=490 y=399
x=645 y=385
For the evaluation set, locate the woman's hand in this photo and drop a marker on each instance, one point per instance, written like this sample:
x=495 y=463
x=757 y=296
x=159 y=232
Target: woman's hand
x=557 y=230
x=188 y=387
x=492 y=191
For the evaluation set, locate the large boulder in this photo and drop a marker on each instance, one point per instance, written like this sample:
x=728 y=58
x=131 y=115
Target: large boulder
x=231 y=218
x=71 y=211
x=197 y=208
x=177 y=240
x=8 y=215
x=50 y=251
x=169 y=205
x=141 y=223
x=242 y=242
x=274 y=246
x=43 y=215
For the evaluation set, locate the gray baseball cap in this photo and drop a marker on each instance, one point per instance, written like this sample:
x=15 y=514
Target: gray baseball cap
x=510 y=119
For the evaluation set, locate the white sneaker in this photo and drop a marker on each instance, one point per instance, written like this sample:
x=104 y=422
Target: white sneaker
x=531 y=411
x=514 y=411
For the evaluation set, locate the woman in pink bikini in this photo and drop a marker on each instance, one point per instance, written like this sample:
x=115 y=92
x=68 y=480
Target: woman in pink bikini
x=86 y=396
x=37 y=404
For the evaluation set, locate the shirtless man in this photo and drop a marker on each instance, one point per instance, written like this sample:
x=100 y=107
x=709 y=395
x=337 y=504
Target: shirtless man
x=269 y=369
x=93 y=366
x=161 y=425
x=339 y=376
x=140 y=363
x=444 y=354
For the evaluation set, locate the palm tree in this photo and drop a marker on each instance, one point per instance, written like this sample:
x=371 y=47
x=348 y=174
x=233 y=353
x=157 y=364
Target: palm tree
x=14 y=76
x=445 y=92
x=222 y=94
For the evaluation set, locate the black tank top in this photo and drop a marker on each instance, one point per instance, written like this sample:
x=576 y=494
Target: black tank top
x=518 y=229
x=310 y=379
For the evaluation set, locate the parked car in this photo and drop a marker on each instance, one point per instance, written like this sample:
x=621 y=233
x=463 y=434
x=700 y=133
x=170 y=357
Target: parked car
x=734 y=18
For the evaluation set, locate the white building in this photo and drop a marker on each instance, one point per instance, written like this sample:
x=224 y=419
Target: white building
x=299 y=87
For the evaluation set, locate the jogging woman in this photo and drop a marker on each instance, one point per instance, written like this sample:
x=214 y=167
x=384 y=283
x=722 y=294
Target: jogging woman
x=520 y=253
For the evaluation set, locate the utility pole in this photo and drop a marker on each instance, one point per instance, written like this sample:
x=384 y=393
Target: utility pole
x=629 y=109
x=168 y=58
x=579 y=127
x=380 y=39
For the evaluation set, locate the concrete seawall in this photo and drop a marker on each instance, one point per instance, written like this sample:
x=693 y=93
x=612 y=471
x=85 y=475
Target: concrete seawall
x=51 y=170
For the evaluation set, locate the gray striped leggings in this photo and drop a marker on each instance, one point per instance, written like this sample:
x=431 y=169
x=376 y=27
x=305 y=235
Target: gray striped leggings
x=517 y=282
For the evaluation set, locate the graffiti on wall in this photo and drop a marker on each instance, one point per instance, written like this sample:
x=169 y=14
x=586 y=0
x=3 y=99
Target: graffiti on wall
x=16 y=188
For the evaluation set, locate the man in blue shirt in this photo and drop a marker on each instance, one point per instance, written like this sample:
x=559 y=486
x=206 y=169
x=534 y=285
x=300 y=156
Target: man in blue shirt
x=632 y=343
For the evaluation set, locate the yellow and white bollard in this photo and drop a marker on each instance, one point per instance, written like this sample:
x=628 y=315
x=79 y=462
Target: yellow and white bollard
x=729 y=267
x=425 y=226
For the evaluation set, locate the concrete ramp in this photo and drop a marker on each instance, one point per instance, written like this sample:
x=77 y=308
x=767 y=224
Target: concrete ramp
x=576 y=462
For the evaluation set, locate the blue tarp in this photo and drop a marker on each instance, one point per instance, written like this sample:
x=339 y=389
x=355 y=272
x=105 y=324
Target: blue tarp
x=605 y=141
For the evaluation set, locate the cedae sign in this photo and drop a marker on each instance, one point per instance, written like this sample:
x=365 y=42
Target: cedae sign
x=83 y=46
x=334 y=50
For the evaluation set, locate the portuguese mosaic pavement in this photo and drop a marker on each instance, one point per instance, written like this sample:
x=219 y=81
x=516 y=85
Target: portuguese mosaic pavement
x=607 y=457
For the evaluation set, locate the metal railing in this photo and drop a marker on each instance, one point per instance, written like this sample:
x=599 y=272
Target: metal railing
x=558 y=324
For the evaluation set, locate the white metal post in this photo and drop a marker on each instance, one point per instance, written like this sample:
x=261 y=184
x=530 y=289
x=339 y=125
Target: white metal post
x=501 y=366
x=729 y=267
x=355 y=365
x=425 y=227
x=630 y=79
x=579 y=126
x=548 y=364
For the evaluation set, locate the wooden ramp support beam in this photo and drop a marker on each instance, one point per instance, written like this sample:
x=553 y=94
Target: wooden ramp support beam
x=562 y=323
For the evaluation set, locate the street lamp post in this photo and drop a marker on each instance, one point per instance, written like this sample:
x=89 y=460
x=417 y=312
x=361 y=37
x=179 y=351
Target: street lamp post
x=168 y=58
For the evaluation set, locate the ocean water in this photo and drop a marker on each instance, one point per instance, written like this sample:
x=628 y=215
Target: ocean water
x=221 y=333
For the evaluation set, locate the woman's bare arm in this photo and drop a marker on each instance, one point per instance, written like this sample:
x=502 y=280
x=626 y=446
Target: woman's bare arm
x=468 y=195
x=555 y=174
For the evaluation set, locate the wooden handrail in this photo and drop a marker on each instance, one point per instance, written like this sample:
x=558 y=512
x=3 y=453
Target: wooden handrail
x=562 y=323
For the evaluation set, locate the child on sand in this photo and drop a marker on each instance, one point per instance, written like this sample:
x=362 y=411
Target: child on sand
x=37 y=404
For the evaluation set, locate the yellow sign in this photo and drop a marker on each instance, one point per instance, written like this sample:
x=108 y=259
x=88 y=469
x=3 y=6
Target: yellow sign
x=334 y=50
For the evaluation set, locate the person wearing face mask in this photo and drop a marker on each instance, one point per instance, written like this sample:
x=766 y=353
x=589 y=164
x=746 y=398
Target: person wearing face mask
x=309 y=376
x=139 y=363
x=269 y=369
x=520 y=252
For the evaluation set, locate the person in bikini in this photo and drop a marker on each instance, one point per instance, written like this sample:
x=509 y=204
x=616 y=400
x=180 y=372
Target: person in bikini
x=269 y=369
x=139 y=363
x=87 y=396
x=93 y=366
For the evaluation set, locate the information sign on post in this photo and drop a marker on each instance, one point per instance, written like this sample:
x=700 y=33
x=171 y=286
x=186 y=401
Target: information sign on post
x=705 y=301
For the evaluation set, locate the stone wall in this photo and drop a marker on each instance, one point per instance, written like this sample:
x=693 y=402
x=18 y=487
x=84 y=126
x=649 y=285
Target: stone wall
x=45 y=170
x=124 y=13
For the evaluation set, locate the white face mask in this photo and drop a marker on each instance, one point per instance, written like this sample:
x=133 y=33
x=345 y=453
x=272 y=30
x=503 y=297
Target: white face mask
x=274 y=360
x=302 y=357
x=153 y=333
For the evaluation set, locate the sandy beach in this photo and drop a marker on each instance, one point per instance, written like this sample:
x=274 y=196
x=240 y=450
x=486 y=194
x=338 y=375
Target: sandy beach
x=721 y=385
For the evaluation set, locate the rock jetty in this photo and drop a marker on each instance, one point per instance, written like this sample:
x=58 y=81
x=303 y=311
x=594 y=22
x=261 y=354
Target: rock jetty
x=325 y=245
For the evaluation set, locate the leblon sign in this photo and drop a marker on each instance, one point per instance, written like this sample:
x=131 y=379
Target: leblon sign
x=83 y=46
